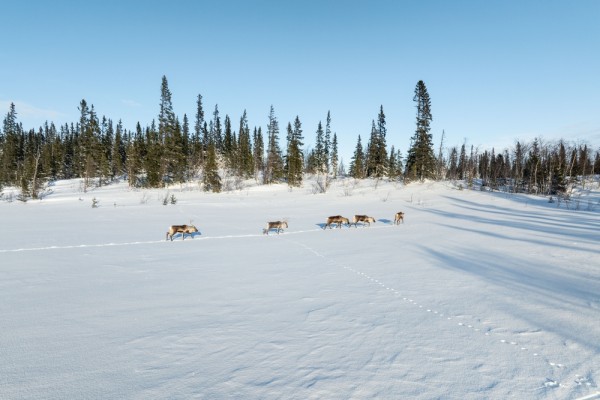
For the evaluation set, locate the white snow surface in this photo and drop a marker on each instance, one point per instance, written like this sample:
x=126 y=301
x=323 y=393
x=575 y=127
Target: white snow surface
x=478 y=295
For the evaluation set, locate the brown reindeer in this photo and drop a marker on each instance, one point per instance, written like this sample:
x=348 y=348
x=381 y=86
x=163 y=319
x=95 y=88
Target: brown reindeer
x=365 y=219
x=336 y=219
x=398 y=217
x=183 y=229
x=278 y=225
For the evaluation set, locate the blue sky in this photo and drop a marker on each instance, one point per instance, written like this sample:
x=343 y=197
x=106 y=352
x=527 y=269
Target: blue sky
x=496 y=71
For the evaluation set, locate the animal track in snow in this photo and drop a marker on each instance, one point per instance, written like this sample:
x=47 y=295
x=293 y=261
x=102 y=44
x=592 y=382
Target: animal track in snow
x=486 y=332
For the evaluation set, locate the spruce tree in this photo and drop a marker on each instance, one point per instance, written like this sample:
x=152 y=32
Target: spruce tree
x=274 y=166
x=452 y=172
x=327 y=150
x=377 y=158
x=420 y=161
x=334 y=156
x=169 y=137
x=153 y=157
x=228 y=144
x=216 y=131
x=118 y=151
x=258 y=152
x=89 y=144
x=462 y=163
x=186 y=149
x=211 y=178
x=198 y=148
x=245 y=157
x=9 y=142
x=357 y=167
x=295 y=158
x=320 y=157
x=394 y=168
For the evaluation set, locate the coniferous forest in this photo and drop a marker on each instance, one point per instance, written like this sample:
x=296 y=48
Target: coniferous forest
x=209 y=148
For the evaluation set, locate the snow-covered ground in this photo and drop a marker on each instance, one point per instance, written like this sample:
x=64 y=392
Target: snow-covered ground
x=477 y=295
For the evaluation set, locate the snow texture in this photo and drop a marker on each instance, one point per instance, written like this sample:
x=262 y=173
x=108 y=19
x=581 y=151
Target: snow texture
x=477 y=295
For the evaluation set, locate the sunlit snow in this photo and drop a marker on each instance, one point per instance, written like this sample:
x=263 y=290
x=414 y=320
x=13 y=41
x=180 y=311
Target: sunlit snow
x=477 y=295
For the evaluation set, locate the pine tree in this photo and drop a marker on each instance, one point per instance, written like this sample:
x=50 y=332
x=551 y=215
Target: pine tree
x=89 y=143
x=246 y=162
x=452 y=172
x=216 y=131
x=334 y=156
x=327 y=150
x=153 y=157
x=377 y=158
x=394 y=164
x=9 y=143
x=186 y=149
x=228 y=145
x=211 y=178
x=518 y=165
x=440 y=159
x=420 y=161
x=106 y=144
x=118 y=151
x=320 y=158
x=462 y=163
x=596 y=163
x=258 y=153
x=198 y=148
x=170 y=137
x=357 y=168
x=295 y=158
x=274 y=166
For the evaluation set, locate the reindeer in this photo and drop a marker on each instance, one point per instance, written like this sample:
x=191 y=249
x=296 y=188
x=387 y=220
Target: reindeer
x=398 y=217
x=365 y=219
x=183 y=229
x=278 y=225
x=336 y=219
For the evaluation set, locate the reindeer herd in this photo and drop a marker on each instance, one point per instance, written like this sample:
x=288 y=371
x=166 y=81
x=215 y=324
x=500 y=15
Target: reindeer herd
x=278 y=226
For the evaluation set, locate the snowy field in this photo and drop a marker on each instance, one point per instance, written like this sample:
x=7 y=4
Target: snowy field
x=477 y=295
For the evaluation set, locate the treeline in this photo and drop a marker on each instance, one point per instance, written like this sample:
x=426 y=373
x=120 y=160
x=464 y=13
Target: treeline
x=169 y=150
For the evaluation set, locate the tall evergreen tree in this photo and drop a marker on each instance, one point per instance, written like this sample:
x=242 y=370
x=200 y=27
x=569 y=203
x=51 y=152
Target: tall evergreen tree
x=136 y=155
x=357 y=167
x=420 y=161
x=118 y=151
x=295 y=158
x=246 y=162
x=170 y=136
x=9 y=144
x=228 y=144
x=258 y=153
x=334 y=156
x=90 y=148
x=153 y=157
x=377 y=158
x=198 y=148
x=186 y=149
x=211 y=178
x=328 y=144
x=320 y=158
x=216 y=131
x=274 y=166
x=462 y=162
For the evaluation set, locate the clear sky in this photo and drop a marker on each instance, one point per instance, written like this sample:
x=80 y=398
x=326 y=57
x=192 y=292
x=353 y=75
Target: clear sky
x=496 y=71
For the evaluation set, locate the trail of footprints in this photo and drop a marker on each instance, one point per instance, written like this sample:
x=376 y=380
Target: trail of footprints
x=549 y=383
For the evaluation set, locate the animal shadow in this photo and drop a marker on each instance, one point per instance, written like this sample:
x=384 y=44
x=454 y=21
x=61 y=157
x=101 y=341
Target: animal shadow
x=187 y=235
x=386 y=221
